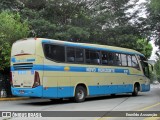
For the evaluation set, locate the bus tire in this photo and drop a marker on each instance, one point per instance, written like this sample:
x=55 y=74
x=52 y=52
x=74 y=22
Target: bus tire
x=80 y=94
x=135 y=91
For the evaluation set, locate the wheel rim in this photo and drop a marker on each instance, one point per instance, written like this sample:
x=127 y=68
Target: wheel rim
x=80 y=94
x=136 y=90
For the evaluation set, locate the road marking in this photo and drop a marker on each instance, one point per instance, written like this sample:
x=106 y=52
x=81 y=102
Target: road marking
x=151 y=118
x=143 y=109
x=148 y=107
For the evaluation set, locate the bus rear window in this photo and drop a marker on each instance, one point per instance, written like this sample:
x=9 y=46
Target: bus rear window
x=24 y=47
x=54 y=52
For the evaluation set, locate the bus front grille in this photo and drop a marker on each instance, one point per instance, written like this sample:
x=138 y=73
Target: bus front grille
x=23 y=66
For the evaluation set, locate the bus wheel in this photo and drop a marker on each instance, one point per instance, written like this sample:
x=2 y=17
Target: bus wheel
x=80 y=94
x=135 y=92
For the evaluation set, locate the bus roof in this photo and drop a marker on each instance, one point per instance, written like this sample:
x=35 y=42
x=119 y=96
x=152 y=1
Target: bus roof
x=92 y=46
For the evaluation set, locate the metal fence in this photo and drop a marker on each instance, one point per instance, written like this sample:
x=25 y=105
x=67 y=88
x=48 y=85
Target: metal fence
x=5 y=87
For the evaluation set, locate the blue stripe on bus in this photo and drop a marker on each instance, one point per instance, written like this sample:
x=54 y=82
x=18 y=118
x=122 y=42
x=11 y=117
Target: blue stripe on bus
x=90 y=47
x=145 y=87
x=110 y=89
x=76 y=69
x=28 y=92
x=68 y=91
x=30 y=60
x=13 y=59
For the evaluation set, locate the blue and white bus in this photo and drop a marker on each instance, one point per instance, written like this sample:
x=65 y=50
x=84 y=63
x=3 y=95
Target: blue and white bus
x=54 y=69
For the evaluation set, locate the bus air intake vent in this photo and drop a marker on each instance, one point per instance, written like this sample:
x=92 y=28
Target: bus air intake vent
x=23 y=66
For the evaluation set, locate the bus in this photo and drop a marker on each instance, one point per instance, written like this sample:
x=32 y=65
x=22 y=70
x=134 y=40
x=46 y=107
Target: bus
x=55 y=69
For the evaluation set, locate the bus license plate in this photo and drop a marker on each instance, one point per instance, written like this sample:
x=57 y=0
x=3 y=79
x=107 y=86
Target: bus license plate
x=21 y=91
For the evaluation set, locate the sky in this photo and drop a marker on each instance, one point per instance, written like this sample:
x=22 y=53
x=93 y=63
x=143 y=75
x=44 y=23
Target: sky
x=153 y=56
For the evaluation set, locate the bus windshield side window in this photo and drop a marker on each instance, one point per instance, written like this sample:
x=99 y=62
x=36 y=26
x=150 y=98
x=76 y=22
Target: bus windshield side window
x=54 y=52
x=135 y=62
x=145 y=66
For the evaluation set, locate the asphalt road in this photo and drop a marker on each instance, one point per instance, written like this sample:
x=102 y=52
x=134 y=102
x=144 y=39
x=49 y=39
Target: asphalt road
x=147 y=101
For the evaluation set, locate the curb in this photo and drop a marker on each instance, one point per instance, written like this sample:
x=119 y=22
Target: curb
x=14 y=99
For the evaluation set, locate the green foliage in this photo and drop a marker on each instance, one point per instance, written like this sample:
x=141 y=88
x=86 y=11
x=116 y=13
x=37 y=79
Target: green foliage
x=157 y=68
x=155 y=6
x=94 y=21
x=144 y=47
x=154 y=20
x=11 y=29
x=5 y=49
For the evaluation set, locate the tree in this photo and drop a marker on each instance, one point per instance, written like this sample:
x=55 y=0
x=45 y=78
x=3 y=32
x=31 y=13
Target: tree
x=11 y=29
x=157 y=68
x=154 y=20
x=144 y=47
x=93 y=21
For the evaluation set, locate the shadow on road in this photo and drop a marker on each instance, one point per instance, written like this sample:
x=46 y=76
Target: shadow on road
x=45 y=102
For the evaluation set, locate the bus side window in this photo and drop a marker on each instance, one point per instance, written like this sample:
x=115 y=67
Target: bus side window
x=104 y=58
x=79 y=55
x=110 y=59
x=117 y=59
x=87 y=53
x=129 y=60
x=92 y=57
x=54 y=52
x=124 y=59
x=70 y=54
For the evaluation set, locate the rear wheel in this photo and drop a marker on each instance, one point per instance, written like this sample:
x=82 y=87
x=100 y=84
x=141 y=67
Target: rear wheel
x=135 y=91
x=80 y=94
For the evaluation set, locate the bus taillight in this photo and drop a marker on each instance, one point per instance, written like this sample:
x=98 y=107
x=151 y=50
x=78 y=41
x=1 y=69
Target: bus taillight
x=10 y=79
x=36 y=80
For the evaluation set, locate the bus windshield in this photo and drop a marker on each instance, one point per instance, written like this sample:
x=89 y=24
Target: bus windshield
x=145 y=66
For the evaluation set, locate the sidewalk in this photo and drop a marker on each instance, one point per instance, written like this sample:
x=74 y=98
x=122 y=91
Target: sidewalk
x=14 y=98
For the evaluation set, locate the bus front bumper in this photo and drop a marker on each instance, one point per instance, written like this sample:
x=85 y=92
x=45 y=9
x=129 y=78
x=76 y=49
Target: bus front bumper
x=145 y=87
x=27 y=92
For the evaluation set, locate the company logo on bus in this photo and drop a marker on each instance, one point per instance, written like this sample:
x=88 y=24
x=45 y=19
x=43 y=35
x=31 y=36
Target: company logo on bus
x=66 y=69
x=22 y=51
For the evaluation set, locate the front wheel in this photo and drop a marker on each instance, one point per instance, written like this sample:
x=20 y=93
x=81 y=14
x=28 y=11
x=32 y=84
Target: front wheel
x=80 y=94
x=135 y=92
